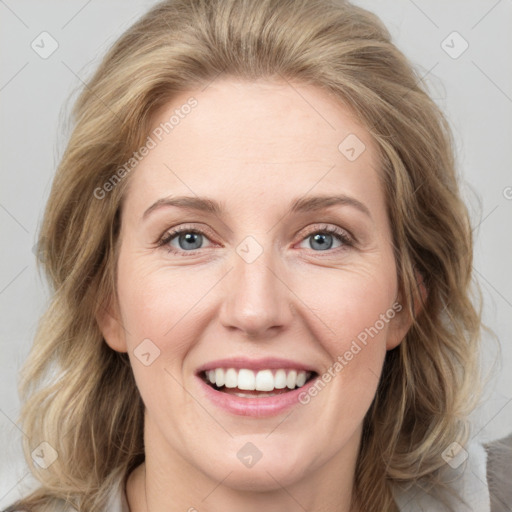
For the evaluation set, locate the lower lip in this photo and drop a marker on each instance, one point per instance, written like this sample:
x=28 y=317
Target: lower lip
x=257 y=407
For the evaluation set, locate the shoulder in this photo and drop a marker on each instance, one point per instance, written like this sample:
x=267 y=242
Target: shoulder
x=476 y=472
x=499 y=468
x=117 y=502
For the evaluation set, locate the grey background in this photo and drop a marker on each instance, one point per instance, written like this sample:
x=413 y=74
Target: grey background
x=475 y=91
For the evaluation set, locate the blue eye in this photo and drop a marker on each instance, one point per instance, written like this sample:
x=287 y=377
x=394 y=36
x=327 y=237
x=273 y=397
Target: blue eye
x=322 y=239
x=190 y=240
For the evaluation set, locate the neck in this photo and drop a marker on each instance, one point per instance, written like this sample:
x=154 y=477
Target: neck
x=167 y=482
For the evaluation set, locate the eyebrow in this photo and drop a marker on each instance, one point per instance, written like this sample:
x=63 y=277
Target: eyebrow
x=299 y=205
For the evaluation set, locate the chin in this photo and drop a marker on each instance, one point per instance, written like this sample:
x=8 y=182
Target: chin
x=264 y=477
x=270 y=469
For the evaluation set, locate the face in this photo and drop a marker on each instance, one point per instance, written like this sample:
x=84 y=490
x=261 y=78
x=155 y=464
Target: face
x=267 y=290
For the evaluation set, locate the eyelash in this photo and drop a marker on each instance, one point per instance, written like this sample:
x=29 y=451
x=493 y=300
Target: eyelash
x=340 y=234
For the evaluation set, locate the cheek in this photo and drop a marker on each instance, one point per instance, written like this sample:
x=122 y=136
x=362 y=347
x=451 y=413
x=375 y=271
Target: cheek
x=347 y=305
x=156 y=314
x=159 y=320
x=155 y=300
x=350 y=315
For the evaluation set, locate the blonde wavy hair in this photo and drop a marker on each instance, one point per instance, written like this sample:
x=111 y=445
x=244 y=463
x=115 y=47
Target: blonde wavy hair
x=80 y=396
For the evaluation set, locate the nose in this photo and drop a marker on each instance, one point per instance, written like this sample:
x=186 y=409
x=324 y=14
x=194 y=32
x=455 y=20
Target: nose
x=257 y=301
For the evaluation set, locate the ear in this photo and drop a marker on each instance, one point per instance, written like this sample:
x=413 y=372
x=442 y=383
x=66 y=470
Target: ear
x=402 y=321
x=110 y=324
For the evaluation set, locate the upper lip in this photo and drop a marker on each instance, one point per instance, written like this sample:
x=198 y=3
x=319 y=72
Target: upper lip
x=271 y=363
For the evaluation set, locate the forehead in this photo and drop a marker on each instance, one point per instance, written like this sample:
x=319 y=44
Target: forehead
x=244 y=142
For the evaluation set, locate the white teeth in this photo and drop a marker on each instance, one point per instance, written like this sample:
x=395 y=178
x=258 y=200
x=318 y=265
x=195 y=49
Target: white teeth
x=291 y=379
x=246 y=380
x=263 y=380
x=219 y=377
x=231 y=378
x=280 y=379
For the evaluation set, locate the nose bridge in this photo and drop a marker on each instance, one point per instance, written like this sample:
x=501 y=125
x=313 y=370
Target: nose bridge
x=256 y=299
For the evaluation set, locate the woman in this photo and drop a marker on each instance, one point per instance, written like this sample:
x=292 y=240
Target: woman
x=316 y=346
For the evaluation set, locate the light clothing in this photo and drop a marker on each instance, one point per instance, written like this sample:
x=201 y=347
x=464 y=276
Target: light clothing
x=469 y=480
x=118 y=501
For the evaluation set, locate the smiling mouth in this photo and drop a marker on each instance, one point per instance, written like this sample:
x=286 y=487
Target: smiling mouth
x=247 y=383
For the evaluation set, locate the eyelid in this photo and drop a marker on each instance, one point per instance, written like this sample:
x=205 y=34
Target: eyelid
x=171 y=233
x=347 y=239
x=329 y=228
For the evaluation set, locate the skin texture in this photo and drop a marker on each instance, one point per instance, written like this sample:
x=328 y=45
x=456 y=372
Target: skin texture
x=254 y=147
